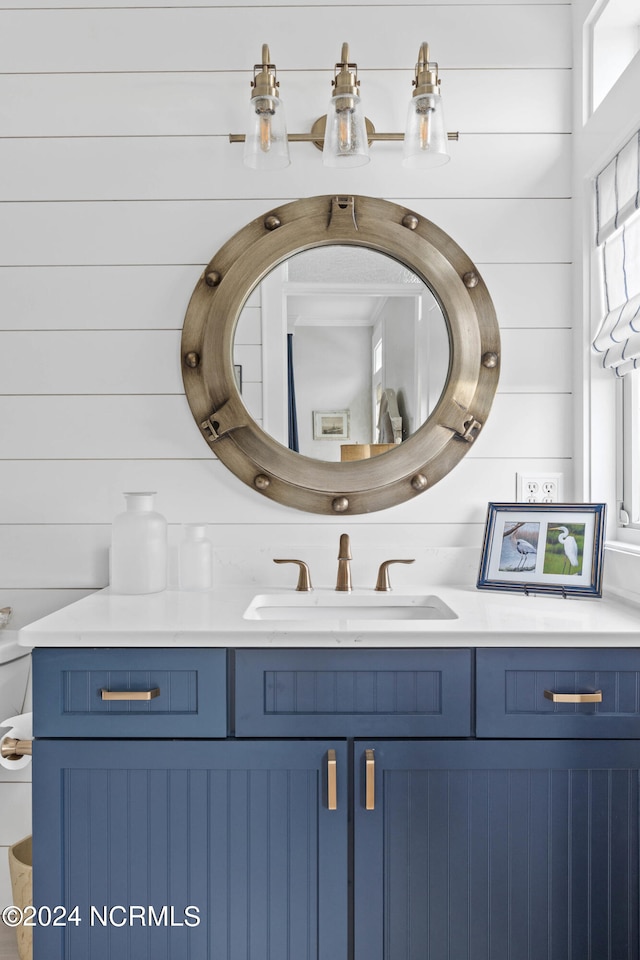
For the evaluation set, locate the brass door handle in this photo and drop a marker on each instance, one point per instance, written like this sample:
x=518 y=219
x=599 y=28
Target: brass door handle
x=130 y=694
x=595 y=697
x=370 y=780
x=332 y=781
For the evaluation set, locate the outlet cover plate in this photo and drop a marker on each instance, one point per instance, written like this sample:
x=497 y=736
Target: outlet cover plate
x=539 y=487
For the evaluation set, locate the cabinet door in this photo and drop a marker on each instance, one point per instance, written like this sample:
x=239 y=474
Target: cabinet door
x=497 y=849
x=240 y=831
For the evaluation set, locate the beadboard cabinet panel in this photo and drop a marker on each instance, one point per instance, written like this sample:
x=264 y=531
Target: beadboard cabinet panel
x=148 y=362
x=180 y=104
x=190 y=693
x=239 y=831
x=190 y=231
x=193 y=38
x=161 y=427
x=500 y=849
x=515 y=690
x=156 y=297
x=27 y=500
x=154 y=168
x=317 y=693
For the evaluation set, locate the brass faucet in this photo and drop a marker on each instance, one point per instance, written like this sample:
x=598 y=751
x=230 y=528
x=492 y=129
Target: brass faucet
x=344 y=564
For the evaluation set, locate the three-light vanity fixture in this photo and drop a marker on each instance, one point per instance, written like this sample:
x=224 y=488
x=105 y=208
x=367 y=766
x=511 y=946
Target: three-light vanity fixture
x=344 y=134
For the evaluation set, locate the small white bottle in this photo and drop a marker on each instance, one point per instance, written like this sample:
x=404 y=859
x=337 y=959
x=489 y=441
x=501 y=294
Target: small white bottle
x=195 y=559
x=139 y=547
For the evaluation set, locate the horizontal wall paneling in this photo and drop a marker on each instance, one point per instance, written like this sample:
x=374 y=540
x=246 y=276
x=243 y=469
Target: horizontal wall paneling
x=189 y=231
x=213 y=102
x=148 y=362
x=192 y=38
x=193 y=168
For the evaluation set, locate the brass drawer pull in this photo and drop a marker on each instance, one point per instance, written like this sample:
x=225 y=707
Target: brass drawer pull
x=332 y=781
x=370 y=780
x=595 y=697
x=130 y=694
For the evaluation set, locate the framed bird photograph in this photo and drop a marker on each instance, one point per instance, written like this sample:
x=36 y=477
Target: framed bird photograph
x=543 y=548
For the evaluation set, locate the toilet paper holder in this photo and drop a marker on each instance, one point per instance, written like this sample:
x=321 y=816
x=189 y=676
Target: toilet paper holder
x=13 y=749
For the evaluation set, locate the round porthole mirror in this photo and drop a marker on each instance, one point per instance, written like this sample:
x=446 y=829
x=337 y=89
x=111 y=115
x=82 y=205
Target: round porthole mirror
x=340 y=354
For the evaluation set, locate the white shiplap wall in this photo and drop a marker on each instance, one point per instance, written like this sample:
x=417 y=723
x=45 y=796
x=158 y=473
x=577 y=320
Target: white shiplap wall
x=118 y=184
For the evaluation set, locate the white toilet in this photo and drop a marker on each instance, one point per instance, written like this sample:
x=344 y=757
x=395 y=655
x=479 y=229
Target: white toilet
x=15 y=677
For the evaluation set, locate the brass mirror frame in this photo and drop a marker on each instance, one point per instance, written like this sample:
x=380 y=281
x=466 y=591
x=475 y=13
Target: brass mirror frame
x=358 y=486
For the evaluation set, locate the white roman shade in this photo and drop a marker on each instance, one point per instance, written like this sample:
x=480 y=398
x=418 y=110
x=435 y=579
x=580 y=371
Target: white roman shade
x=618 y=242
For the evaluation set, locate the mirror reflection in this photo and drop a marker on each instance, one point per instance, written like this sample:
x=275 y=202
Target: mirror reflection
x=341 y=353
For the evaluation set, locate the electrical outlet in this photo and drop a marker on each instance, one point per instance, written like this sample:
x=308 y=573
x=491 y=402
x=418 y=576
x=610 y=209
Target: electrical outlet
x=539 y=488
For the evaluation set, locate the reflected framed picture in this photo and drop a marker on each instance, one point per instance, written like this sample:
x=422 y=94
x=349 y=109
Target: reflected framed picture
x=544 y=548
x=330 y=424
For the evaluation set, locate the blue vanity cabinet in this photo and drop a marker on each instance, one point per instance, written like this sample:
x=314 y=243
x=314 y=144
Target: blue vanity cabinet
x=496 y=849
x=332 y=804
x=223 y=848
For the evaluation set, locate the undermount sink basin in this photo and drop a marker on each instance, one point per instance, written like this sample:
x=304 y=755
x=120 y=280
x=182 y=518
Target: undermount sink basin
x=347 y=606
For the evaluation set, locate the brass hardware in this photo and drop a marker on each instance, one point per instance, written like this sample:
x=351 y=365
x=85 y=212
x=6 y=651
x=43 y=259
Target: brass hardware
x=304 y=577
x=264 y=83
x=272 y=223
x=12 y=749
x=213 y=278
x=212 y=426
x=382 y=583
x=471 y=279
x=262 y=482
x=130 y=694
x=343 y=209
x=595 y=697
x=410 y=222
x=332 y=781
x=316 y=136
x=490 y=360
x=343 y=583
x=357 y=487
x=472 y=428
x=370 y=780
x=192 y=359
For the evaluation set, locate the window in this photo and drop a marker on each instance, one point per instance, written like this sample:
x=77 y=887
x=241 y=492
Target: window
x=618 y=337
x=615 y=40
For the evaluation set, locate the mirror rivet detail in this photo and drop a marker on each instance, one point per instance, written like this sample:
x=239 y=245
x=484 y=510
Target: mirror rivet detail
x=490 y=360
x=272 y=223
x=419 y=482
x=262 y=481
x=192 y=359
x=410 y=221
x=213 y=278
x=471 y=279
x=340 y=504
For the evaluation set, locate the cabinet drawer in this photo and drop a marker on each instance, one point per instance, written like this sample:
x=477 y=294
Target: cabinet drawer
x=158 y=693
x=344 y=693
x=558 y=693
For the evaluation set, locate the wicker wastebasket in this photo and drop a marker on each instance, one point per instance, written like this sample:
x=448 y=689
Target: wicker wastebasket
x=21 y=870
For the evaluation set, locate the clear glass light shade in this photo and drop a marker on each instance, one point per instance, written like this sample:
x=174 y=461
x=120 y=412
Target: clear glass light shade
x=425 y=138
x=266 y=146
x=345 y=137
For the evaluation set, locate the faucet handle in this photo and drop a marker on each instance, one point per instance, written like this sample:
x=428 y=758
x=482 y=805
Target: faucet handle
x=382 y=583
x=304 y=577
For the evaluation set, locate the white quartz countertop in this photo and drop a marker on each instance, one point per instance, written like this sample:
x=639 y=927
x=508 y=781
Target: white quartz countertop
x=216 y=619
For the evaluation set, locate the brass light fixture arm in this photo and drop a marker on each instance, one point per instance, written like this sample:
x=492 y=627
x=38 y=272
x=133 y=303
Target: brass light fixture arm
x=317 y=138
